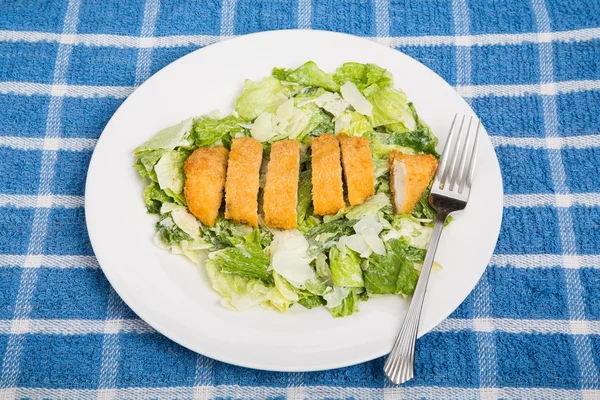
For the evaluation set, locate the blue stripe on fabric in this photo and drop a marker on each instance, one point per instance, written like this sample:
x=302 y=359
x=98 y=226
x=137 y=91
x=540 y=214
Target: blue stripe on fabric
x=9 y=286
x=578 y=113
x=68 y=180
x=70 y=293
x=418 y=18
x=19 y=170
x=529 y=231
x=23 y=115
x=111 y=16
x=86 y=117
x=15 y=225
x=586 y=224
x=189 y=18
x=525 y=170
x=109 y=66
x=495 y=17
x=440 y=59
x=511 y=116
x=353 y=16
x=590 y=280
x=151 y=360
x=506 y=64
x=31 y=62
x=528 y=293
x=44 y=16
x=252 y=17
x=56 y=361
x=63 y=224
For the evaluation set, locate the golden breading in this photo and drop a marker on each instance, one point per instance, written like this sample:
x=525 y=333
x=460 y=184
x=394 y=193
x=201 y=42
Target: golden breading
x=204 y=181
x=328 y=193
x=281 y=189
x=359 y=172
x=241 y=187
x=409 y=177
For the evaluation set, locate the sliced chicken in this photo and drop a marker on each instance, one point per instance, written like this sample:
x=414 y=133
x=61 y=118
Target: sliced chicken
x=409 y=177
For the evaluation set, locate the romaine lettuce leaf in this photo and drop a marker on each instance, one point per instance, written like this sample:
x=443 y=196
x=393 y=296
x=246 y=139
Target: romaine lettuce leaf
x=345 y=269
x=352 y=123
x=390 y=108
x=154 y=197
x=392 y=273
x=247 y=259
x=259 y=97
x=347 y=307
x=167 y=139
x=325 y=235
x=307 y=74
x=304 y=195
x=370 y=207
x=146 y=161
x=240 y=293
x=169 y=172
x=208 y=131
x=169 y=231
x=363 y=75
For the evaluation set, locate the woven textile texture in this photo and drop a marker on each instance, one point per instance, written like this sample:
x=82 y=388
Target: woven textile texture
x=530 y=69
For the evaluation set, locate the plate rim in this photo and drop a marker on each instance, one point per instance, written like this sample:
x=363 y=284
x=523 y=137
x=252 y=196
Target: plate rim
x=149 y=319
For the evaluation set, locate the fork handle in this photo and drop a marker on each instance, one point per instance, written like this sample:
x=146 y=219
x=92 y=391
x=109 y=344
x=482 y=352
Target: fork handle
x=400 y=365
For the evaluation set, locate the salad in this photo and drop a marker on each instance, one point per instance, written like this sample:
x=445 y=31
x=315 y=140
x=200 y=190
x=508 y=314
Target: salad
x=333 y=258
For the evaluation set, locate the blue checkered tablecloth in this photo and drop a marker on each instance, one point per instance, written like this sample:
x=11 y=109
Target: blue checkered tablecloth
x=530 y=69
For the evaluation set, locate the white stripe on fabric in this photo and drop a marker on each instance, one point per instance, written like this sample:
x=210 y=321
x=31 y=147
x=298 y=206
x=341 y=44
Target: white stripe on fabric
x=29 y=88
x=545 y=260
x=227 y=18
x=304 y=14
x=204 y=364
x=42 y=201
x=203 y=378
x=142 y=70
x=12 y=357
x=73 y=326
x=560 y=142
x=304 y=17
x=49 y=261
x=295 y=388
x=574 y=289
x=554 y=200
x=49 y=144
x=312 y=393
x=382 y=21
x=511 y=325
x=467 y=91
x=549 y=88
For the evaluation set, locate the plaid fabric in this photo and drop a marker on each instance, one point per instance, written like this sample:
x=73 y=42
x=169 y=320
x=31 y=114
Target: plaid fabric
x=531 y=70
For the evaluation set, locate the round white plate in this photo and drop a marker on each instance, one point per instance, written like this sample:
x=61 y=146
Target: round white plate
x=175 y=297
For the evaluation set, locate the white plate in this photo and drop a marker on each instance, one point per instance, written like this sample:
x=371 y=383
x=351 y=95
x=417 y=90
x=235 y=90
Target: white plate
x=175 y=297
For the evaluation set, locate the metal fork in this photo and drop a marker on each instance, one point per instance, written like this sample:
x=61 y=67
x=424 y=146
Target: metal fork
x=449 y=193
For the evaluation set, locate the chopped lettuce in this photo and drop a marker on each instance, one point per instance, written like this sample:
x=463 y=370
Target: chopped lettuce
x=247 y=259
x=154 y=196
x=307 y=74
x=352 y=123
x=348 y=306
x=390 y=108
x=364 y=76
x=208 y=131
x=345 y=269
x=166 y=139
x=259 y=97
x=393 y=273
x=169 y=173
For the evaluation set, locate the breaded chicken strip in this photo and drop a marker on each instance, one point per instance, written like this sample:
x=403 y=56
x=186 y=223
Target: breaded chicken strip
x=359 y=172
x=328 y=193
x=409 y=177
x=204 y=181
x=241 y=187
x=281 y=189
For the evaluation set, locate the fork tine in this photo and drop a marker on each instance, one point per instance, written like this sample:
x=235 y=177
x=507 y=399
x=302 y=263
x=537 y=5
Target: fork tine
x=445 y=152
x=459 y=173
x=471 y=169
x=449 y=170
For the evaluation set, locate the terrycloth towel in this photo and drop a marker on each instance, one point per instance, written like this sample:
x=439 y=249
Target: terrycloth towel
x=531 y=70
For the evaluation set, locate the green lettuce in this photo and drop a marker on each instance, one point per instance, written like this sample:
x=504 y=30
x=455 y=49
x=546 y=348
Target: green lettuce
x=259 y=97
x=345 y=269
x=167 y=139
x=154 y=197
x=209 y=131
x=323 y=236
x=393 y=273
x=146 y=161
x=353 y=124
x=247 y=259
x=370 y=207
x=364 y=76
x=170 y=175
x=169 y=231
x=390 y=108
x=348 y=306
x=307 y=74
x=304 y=195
